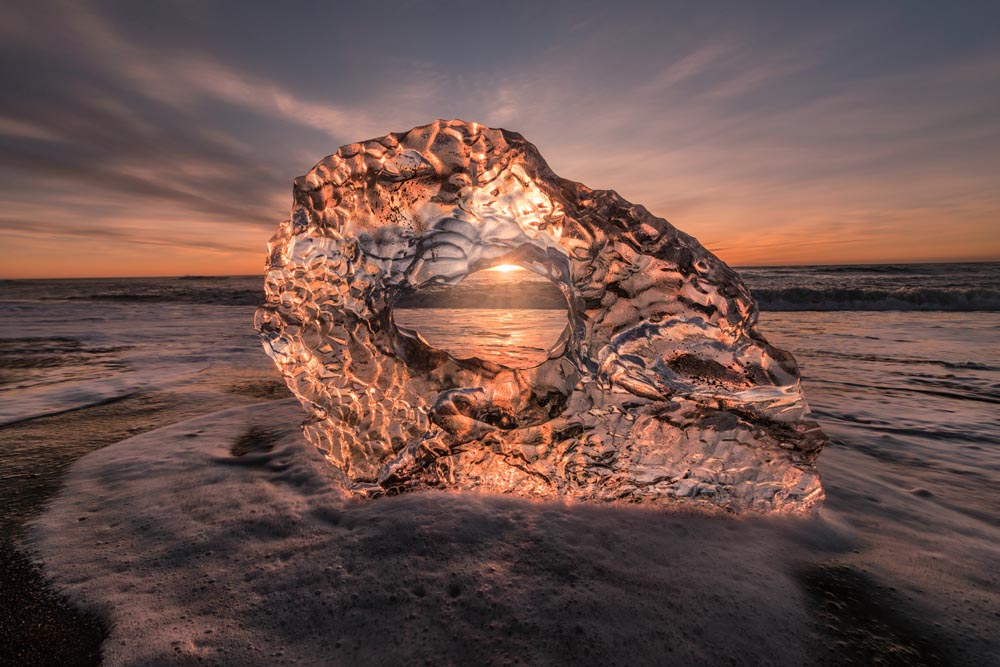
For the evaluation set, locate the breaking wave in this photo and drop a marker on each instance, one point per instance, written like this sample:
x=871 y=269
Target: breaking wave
x=904 y=298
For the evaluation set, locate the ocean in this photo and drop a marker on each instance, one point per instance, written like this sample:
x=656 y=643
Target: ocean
x=923 y=330
x=900 y=364
x=956 y=287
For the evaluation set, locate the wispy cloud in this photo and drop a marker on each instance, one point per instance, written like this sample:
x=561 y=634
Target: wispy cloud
x=771 y=136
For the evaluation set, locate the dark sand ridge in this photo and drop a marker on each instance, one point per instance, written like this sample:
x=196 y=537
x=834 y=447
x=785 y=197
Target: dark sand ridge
x=38 y=626
x=224 y=540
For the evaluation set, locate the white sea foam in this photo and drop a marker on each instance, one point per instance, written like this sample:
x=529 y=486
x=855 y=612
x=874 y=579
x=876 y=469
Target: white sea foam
x=195 y=555
x=191 y=552
x=179 y=537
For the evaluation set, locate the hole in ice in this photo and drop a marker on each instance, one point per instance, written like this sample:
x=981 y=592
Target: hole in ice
x=506 y=315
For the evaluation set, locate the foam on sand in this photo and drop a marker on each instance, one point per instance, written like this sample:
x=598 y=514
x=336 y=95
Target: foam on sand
x=193 y=552
x=227 y=540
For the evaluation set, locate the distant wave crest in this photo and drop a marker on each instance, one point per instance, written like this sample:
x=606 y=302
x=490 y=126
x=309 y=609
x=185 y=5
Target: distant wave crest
x=909 y=298
x=774 y=299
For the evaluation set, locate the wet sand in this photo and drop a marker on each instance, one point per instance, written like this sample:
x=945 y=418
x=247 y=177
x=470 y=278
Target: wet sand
x=37 y=625
x=899 y=569
x=227 y=540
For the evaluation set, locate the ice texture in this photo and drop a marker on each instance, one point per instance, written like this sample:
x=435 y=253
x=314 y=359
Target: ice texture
x=661 y=390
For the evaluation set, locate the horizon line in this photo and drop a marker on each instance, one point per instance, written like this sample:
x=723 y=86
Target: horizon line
x=732 y=266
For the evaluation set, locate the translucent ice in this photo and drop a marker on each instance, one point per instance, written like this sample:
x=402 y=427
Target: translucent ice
x=661 y=389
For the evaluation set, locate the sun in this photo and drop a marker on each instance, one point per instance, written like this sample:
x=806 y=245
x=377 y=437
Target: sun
x=506 y=268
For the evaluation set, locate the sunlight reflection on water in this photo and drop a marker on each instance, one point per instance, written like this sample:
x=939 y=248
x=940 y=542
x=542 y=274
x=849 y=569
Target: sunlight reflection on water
x=516 y=338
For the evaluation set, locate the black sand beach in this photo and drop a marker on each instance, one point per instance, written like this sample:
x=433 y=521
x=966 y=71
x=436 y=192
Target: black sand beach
x=499 y=334
x=37 y=625
x=457 y=579
x=176 y=497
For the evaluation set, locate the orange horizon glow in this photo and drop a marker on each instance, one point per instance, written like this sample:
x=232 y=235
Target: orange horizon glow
x=72 y=258
x=742 y=231
x=843 y=135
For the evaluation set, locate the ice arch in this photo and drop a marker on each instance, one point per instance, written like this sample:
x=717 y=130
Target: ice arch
x=663 y=390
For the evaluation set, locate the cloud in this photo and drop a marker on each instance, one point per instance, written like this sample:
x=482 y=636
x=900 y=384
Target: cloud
x=777 y=136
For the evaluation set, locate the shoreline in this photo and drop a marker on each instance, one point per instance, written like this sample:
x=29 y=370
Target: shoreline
x=445 y=563
x=38 y=624
x=907 y=476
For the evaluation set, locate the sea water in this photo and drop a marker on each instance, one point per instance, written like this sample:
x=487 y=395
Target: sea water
x=916 y=335
x=908 y=394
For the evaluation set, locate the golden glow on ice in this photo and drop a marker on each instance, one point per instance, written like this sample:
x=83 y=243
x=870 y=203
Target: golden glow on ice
x=656 y=388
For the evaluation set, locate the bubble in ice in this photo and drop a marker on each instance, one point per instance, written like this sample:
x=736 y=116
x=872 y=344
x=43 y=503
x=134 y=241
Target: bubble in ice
x=661 y=390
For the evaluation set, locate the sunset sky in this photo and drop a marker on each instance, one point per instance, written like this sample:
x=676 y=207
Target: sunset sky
x=162 y=138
